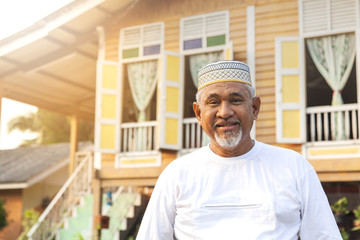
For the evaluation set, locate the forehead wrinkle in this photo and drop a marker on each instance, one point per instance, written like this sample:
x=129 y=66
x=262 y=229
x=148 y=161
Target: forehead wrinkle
x=233 y=94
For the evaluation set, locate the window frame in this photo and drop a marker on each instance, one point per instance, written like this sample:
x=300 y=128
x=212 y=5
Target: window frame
x=203 y=35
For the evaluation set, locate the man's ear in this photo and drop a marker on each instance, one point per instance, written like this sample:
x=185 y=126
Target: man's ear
x=256 y=102
x=197 y=111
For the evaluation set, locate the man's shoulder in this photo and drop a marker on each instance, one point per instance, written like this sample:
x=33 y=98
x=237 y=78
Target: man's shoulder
x=278 y=149
x=283 y=157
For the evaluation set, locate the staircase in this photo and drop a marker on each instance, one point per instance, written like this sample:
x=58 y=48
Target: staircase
x=79 y=226
x=69 y=215
x=124 y=213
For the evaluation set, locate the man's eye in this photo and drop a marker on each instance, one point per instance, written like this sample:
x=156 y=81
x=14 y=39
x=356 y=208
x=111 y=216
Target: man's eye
x=212 y=102
x=236 y=100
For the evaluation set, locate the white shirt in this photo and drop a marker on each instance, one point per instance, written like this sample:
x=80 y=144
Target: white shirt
x=267 y=193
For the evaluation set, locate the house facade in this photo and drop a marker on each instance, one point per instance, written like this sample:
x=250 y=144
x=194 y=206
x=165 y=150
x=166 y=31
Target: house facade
x=142 y=79
x=302 y=55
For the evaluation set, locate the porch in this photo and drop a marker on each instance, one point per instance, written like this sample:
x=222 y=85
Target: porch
x=332 y=132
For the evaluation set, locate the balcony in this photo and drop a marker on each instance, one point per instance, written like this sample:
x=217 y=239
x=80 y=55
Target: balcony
x=333 y=132
x=138 y=137
x=193 y=136
x=333 y=123
x=138 y=145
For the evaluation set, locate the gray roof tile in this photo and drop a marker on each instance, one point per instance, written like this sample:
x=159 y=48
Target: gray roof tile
x=21 y=164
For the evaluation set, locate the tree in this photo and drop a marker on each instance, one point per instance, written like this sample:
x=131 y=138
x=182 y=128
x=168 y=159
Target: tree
x=51 y=127
x=30 y=218
x=3 y=215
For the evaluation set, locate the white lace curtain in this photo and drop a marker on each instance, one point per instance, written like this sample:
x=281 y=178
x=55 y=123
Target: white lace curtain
x=334 y=58
x=142 y=79
x=199 y=60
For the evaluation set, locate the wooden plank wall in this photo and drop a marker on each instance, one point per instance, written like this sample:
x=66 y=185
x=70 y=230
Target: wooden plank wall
x=273 y=18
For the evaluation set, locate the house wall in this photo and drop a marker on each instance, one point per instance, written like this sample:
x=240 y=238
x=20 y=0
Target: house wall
x=276 y=18
x=46 y=188
x=13 y=206
x=272 y=19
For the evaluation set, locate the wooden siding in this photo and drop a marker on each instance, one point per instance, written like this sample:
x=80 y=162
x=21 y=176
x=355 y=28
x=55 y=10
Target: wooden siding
x=170 y=12
x=272 y=19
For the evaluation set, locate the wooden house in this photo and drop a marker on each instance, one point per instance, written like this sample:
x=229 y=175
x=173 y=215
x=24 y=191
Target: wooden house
x=139 y=82
x=274 y=37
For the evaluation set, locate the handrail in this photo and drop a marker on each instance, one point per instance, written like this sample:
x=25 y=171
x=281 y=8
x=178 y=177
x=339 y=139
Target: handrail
x=138 y=137
x=78 y=184
x=335 y=108
x=138 y=124
x=333 y=123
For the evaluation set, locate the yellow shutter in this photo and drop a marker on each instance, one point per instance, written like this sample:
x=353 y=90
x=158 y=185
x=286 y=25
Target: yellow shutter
x=290 y=90
x=171 y=101
x=107 y=114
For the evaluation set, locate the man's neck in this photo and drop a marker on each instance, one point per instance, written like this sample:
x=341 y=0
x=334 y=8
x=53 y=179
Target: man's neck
x=244 y=146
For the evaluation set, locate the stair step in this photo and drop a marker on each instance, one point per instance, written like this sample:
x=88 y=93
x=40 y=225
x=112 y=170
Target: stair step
x=84 y=211
x=79 y=223
x=70 y=234
x=88 y=199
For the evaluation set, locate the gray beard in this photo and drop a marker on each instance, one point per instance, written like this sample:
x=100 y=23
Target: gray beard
x=231 y=139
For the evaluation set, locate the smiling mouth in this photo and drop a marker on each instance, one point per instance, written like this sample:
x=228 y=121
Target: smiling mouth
x=224 y=125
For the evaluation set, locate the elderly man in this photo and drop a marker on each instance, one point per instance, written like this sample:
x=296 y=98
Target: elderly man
x=236 y=187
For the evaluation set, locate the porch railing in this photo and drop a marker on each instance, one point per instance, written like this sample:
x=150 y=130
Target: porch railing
x=333 y=123
x=138 y=137
x=194 y=136
x=77 y=185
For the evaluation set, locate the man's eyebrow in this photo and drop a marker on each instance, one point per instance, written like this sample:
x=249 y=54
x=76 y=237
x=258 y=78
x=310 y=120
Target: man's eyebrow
x=213 y=95
x=237 y=94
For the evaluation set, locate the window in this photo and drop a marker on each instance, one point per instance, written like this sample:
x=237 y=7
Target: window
x=319 y=93
x=203 y=40
x=140 y=49
x=203 y=32
x=141 y=41
x=322 y=17
x=328 y=28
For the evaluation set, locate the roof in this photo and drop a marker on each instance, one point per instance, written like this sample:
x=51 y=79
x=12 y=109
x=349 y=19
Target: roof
x=52 y=64
x=22 y=164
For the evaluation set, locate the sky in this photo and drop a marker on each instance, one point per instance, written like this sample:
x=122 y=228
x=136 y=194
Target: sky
x=15 y=15
x=9 y=110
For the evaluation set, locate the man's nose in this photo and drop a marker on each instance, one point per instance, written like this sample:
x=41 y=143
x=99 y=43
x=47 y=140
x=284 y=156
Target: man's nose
x=225 y=110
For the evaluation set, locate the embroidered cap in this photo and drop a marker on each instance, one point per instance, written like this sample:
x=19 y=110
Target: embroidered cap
x=223 y=71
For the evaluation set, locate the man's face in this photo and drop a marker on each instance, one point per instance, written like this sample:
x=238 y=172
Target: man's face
x=226 y=113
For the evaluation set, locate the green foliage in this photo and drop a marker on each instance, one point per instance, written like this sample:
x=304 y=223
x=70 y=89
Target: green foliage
x=340 y=206
x=3 y=215
x=356 y=212
x=51 y=127
x=29 y=219
x=344 y=234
